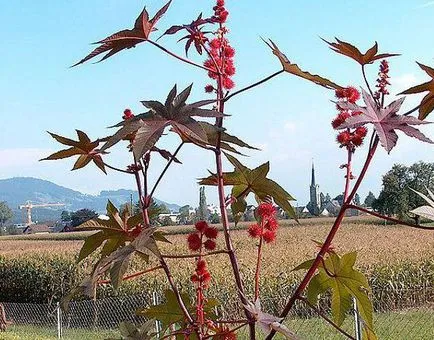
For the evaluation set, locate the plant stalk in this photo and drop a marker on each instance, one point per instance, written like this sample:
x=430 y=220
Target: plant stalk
x=311 y=272
x=391 y=219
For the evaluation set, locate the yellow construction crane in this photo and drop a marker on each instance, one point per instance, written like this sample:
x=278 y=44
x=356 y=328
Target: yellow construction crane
x=29 y=206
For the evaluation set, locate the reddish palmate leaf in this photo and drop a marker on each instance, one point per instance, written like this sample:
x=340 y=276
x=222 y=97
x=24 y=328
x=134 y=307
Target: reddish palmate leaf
x=195 y=34
x=353 y=52
x=127 y=38
x=385 y=121
x=174 y=112
x=84 y=148
x=295 y=70
x=268 y=322
x=427 y=104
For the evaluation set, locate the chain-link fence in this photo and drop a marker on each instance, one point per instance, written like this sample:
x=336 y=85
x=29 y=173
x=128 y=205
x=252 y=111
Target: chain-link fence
x=412 y=318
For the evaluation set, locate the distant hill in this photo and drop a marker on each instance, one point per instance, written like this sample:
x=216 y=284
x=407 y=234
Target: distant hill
x=18 y=190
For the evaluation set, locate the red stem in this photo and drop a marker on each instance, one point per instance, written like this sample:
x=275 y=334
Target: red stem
x=225 y=220
x=163 y=263
x=348 y=174
x=391 y=219
x=187 y=61
x=311 y=272
x=132 y=276
x=258 y=268
x=189 y=256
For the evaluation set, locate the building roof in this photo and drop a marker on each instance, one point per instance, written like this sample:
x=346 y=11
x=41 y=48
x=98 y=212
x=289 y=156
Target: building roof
x=36 y=228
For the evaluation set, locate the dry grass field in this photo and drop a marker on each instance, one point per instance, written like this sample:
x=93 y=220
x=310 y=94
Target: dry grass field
x=375 y=243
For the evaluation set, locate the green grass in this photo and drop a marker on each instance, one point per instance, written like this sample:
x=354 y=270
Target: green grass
x=403 y=325
x=40 y=333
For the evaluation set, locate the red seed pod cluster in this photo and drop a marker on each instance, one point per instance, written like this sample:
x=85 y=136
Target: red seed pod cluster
x=349 y=139
x=204 y=236
x=267 y=226
x=222 y=53
x=201 y=274
x=127 y=114
x=382 y=80
x=220 y=12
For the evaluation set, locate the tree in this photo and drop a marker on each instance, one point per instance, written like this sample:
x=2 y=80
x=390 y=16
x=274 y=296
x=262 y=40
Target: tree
x=80 y=216
x=65 y=216
x=340 y=199
x=356 y=199
x=396 y=196
x=369 y=200
x=12 y=230
x=214 y=218
x=184 y=215
x=5 y=214
x=202 y=211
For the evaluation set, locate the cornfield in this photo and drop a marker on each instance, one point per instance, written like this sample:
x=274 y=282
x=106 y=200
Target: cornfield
x=393 y=257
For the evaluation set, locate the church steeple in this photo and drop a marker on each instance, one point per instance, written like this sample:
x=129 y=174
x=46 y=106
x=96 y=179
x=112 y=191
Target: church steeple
x=314 y=206
x=312 y=182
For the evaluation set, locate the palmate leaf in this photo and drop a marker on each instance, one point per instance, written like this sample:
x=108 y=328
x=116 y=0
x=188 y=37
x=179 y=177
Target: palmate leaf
x=113 y=232
x=338 y=275
x=127 y=38
x=115 y=263
x=244 y=181
x=353 y=52
x=426 y=211
x=169 y=312
x=84 y=148
x=130 y=331
x=228 y=142
x=268 y=322
x=174 y=112
x=385 y=121
x=295 y=70
x=427 y=103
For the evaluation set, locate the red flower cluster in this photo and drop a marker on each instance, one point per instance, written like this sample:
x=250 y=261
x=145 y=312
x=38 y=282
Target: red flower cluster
x=196 y=240
x=347 y=138
x=127 y=114
x=267 y=227
x=201 y=274
x=382 y=80
x=221 y=60
x=220 y=12
x=351 y=94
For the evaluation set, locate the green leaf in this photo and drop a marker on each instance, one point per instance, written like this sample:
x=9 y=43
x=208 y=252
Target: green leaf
x=169 y=312
x=305 y=265
x=91 y=243
x=245 y=181
x=113 y=232
x=338 y=275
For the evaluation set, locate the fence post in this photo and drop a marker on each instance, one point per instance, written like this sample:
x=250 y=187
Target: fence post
x=155 y=302
x=357 y=321
x=59 y=321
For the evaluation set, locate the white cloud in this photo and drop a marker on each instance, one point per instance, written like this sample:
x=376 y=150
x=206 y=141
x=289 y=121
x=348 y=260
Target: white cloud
x=404 y=81
x=426 y=4
x=11 y=158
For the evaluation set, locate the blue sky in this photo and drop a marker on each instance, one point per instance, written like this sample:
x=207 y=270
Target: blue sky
x=288 y=118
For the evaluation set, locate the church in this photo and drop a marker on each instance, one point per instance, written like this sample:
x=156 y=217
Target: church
x=319 y=204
